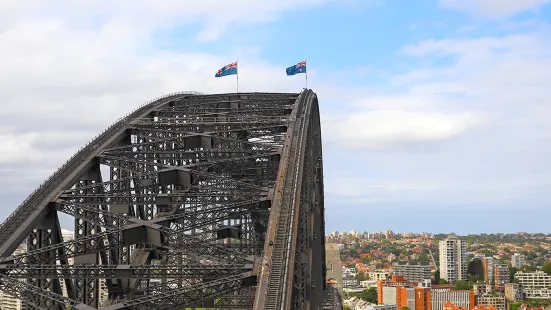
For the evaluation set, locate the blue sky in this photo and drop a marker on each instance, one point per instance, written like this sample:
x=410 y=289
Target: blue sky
x=434 y=113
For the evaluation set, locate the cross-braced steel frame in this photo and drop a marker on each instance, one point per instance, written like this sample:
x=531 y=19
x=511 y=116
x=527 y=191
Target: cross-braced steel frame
x=190 y=201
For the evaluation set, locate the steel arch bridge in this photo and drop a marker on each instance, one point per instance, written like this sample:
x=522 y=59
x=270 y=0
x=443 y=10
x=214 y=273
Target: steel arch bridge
x=191 y=200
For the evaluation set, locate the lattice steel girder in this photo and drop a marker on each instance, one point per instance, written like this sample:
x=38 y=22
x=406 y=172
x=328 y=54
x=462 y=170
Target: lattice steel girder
x=23 y=290
x=189 y=219
x=191 y=177
x=187 y=198
x=19 y=224
x=198 y=271
x=26 y=216
x=187 y=296
x=79 y=247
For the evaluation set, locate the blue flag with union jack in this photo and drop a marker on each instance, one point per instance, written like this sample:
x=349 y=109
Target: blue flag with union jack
x=296 y=69
x=227 y=70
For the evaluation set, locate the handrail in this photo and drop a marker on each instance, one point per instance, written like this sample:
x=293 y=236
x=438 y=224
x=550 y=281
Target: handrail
x=39 y=194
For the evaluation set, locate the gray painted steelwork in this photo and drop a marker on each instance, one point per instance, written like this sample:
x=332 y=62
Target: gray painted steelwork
x=189 y=201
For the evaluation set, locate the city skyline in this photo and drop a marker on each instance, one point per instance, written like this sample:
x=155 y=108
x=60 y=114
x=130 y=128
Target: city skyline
x=434 y=113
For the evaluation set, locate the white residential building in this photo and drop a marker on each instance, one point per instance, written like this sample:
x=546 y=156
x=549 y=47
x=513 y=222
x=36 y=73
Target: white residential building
x=517 y=260
x=536 y=285
x=378 y=275
x=379 y=307
x=453 y=264
x=368 y=283
x=9 y=302
x=537 y=293
x=349 y=281
x=538 y=279
x=348 y=272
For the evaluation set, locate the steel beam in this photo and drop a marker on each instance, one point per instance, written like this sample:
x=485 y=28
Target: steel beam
x=192 y=200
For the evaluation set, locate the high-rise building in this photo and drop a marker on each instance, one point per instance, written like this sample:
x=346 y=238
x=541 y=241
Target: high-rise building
x=501 y=275
x=488 y=267
x=453 y=264
x=517 y=260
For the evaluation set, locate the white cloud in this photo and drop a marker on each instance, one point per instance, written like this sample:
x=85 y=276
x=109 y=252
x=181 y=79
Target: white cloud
x=70 y=68
x=493 y=8
x=216 y=16
x=389 y=128
x=491 y=97
x=436 y=191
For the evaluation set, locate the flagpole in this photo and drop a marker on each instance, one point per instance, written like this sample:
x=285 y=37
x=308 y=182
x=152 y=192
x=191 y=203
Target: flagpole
x=306 y=72
x=237 y=62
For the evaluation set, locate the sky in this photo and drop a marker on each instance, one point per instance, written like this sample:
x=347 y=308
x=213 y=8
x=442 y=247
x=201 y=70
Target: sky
x=435 y=113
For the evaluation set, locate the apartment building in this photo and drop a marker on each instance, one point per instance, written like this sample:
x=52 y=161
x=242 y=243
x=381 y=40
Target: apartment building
x=501 y=275
x=482 y=288
x=538 y=279
x=453 y=264
x=492 y=301
x=368 y=283
x=380 y=307
x=513 y=292
x=464 y=299
x=413 y=272
x=517 y=260
x=536 y=285
x=404 y=295
x=378 y=275
x=349 y=282
x=348 y=272
x=488 y=268
x=10 y=302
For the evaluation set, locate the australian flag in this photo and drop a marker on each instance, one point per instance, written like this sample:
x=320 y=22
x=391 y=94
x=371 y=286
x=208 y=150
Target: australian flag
x=296 y=69
x=227 y=70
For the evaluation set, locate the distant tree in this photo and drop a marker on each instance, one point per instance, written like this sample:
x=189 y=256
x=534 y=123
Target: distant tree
x=475 y=269
x=512 y=272
x=405 y=308
x=528 y=268
x=361 y=276
x=437 y=277
x=395 y=252
x=369 y=295
x=442 y=281
x=462 y=285
x=348 y=308
x=547 y=268
x=507 y=250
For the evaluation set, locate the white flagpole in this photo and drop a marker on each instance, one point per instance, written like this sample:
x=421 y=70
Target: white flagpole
x=306 y=72
x=237 y=63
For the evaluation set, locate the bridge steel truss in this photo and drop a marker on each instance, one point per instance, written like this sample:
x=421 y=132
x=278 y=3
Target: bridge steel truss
x=189 y=201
